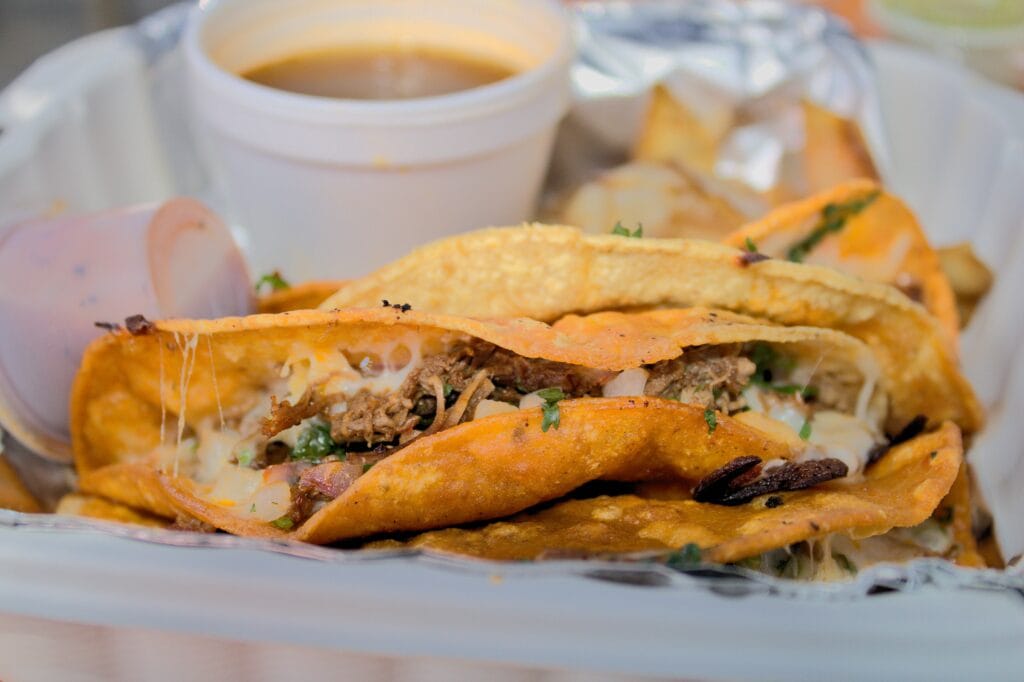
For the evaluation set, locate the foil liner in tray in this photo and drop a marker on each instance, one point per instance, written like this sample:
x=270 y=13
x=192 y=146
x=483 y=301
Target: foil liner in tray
x=754 y=81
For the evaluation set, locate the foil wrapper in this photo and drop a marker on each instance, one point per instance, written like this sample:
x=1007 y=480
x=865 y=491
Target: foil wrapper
x=742 y=68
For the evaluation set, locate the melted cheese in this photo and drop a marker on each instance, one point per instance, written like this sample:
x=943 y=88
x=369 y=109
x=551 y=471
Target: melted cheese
x=187 y=346
x=843 y=437
x=213 y=379
x=214 y=450
x=848 y=438
x=330 y=368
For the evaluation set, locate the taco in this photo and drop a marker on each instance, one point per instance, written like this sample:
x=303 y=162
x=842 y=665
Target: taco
x=899 y=491
x=546 y=272
x=94 y=507
x=861 y=230
x=326 y=426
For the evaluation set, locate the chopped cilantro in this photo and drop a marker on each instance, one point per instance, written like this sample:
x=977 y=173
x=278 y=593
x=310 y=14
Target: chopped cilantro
x=805 y=392
x=844 y=562
x=315 y=443
x=765 y=358
x=686 y=557
x=367 y=466
x=933 y=454
x=833 y=219
x=751 y=246
x=711 y=419
x=274 y=280
x=623 y=232
x=552 y=415
x=448 y=388
x=805 y=430
x=284 y=523
x=252 y=509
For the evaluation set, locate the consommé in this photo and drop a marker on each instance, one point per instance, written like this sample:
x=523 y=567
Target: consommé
x=379 y=73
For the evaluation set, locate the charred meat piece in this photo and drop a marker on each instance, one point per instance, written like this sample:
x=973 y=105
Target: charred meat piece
x=728 y=485
x=284 y=415
x=330 y=479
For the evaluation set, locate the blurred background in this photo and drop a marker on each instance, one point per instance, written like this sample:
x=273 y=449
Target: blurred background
x=987 y=35
x=31 y=28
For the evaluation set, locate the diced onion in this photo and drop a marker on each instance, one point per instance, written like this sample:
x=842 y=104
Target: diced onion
x=488 y=407
x=269 y=503
x=629 y=382
x=235 y=483
x=530 y=400
x=843 y=437
x=214 y=449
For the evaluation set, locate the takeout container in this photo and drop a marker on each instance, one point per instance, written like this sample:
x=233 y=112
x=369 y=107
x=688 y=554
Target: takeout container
x=956 y=157
x=331 y=188
x=59 y=276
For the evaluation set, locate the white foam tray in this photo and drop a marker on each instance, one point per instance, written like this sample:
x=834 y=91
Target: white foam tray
x=99 y=122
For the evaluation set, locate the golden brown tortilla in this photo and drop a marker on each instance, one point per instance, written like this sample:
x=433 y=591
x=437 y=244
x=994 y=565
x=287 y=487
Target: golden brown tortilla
x=882 y=242
x=481 y=469
x=93 y=507
x=304 y=296
x=546 y=272
x=901 y=490
x=834 y=149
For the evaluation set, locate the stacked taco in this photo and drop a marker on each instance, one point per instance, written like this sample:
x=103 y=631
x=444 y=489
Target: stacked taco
x=523 y=392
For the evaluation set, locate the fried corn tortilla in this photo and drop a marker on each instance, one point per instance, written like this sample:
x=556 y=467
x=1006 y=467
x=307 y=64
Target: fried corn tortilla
x=305 y=296
x=833 y=150
x=900 y=490
x=661 y=198
x=969 y=277
x=326 y=426
x=861 y=230
x=93 y=507
x=546 y=272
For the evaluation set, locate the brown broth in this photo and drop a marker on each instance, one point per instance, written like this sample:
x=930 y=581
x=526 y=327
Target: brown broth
x=379 y=73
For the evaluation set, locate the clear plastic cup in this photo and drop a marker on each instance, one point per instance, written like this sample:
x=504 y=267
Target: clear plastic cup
x=58 y=277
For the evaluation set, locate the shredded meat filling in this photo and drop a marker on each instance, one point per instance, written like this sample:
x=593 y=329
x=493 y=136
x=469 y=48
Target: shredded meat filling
x=371 y=418
x=283 y=415
x=713 y=376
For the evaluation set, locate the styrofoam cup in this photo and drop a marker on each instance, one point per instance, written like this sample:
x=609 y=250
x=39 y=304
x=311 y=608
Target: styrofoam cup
x=332 y=188
x=59 y=276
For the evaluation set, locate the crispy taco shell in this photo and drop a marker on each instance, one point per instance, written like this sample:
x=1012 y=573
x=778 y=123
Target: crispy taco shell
x=901 y=490
x=834 y=149
x=93 y=507
x=304 y=296
x=878 y=239
x=136 y=395
x=546 y=272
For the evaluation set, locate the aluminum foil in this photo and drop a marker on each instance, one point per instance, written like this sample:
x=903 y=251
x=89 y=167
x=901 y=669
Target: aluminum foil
x=751 y=61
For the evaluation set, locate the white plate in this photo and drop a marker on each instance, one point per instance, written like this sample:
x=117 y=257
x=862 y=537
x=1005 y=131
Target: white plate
x=98 y=123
